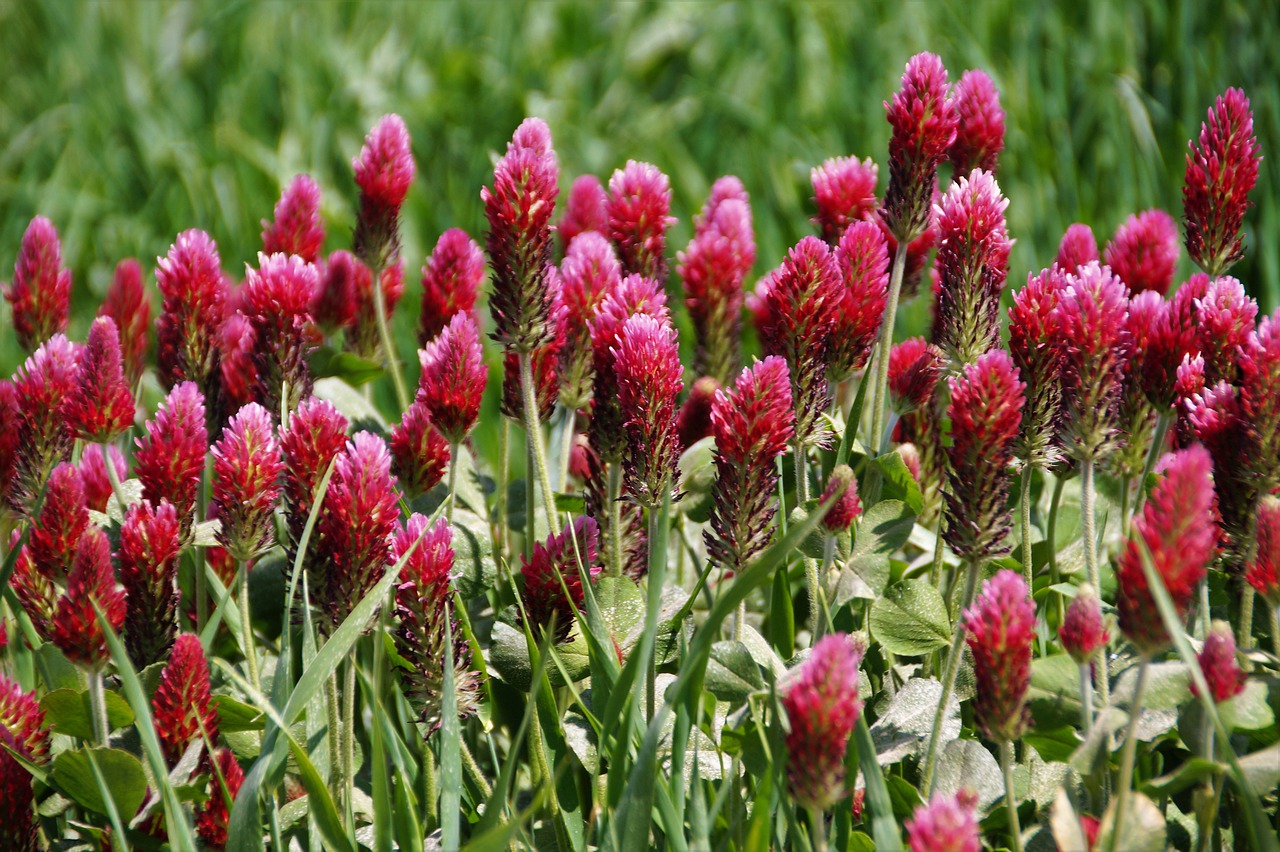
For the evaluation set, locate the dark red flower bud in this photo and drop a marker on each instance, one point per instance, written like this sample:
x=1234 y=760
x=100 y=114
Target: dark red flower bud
x=384 y=172
x=1001 y=627
x=924 y=121
x=150 y=545
x=277 y=301
x=1082 y=632
x=712 y=269
x=128 y=304
x=41 y=290
x=76 y=630
x=419 y=453
x=822 y=706
x=693 y=422
x=182 y=706
x=170 y=459
x=239 y=372
x=638 y=209
x=915 y=366
x=453 y=378
x=451 y=282
x=1218 y=662
x=862 y=258
x=297 y=228
x=195 y=296
x=588 y=274
x=100 y=406
x=980 y=126
x=1221 y=171
x=556 y=562
x=946 y=824
x=647 y=364
x=844 y=191
x=1144 y=251
x=586 y=210
x=214 y=815
x=847 y=507
x=334 y=305
x=1078 y=247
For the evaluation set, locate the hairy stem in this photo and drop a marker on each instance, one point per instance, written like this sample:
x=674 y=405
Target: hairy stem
x=817 y=830
x=535 y=441
x=566 y=448
x=1101 y=680
x=349 y=743
x=1126 y=485
x=614 y=497
x=1024 y=507
x=454 y=449
x=1051 y=533
x=384 y=334
x=333 y=737
x=1128 y=754
x=1245 y=632
x=473 y=769
x=202 y=593
x=98 y=704
x=246 y=626
x=1010 y=800
x=1163 y=419
x=886 y=343
x=1086 y=699
x=970 y=568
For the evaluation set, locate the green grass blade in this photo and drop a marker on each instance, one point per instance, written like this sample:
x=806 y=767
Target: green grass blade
x=884 y=829
x=450 y=751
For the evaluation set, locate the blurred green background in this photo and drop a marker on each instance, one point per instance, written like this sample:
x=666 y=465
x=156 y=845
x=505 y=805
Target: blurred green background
x=126 y=122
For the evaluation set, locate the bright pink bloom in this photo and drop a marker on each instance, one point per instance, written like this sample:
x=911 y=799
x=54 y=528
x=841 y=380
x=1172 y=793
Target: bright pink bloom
x=847 y=507
x=297 y=228
x=844 y=191
x=924 y=126
x=10 y=417
x=946 y=824
x=1221 y=171
x=1035 y=346
x=21 y=729
x=334 y=305
x=1002 y=625
x=316 y=433
x=915 y=365
x=1225 y=317
x=1156 y=348
x=150 y=545
x=647 y=362
x=985 y=413
x=128 y=304
x=638 y=207
x=1264 y=572
x=584 y=211
x=246 y=482
x=182 y=706
x=980 y=128
x=588 y=274
x=170 y=459
x=1078 y=247
x=100 y=407
x=1188 y=385
x=862 y=258
x=1217 y=420
x=55 y=537
x=237 y=367
x=384 y=171
x=93 y=472
x=725 y=188
x=453 y=377
x=1176 y=527
x=419 y=453
x=712 y=269
x=1218 y=662
x=195 y=296
x=76 y=630
x=40 y=434
x=1144 y=251
x=1082 y=632
x=822 y=706
x=213 y=817
x=277 y=301
x=1260 y=397
x=451 y=282
x=41 y=290
x=556 y=562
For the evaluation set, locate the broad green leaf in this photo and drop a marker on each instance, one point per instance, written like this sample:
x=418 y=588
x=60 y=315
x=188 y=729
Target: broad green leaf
x=68 y=712
x=1143 y=829
x=968 y=764
x=697 y=477
x=732 y=673
x=903 y=729
x=897 y=483
x=234 y=716
x=884 y=528
x=328 y=362
x=1188 y=774
x=1248 y=711
x=862 y=578
x=125 y=777
x=474 y=571
x=911 y=618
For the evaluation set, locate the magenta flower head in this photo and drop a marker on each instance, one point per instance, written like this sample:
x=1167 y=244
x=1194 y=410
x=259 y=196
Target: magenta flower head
x=647 y=363
x=753 y=422
x=986 y=413
x=384 y=171
x=973 y=261
x=1144 y=251
x=1002 y=625
x=555 y=562
x=195 y=296
x=847 y=507
x=316 y=433
x=170 y=459
x=1217 y=421
x=100 y=407
x=1264 y=571
x=862 y=258
x=844 y=191
x=802 y=304
x=693 y=423
x=424 y=607
x=182 y=706
x=1225 y=317
x=725 y=188
x=915 y=366
x=150 y=545
x=21 y=729
x=638 y=209
x=1092 y=314
x=519 y=209
x=93 y=471
x=924 y=122
x=712 y=269
x=246 y=482
x=1082 y=632
x=1260 y=398
x=419 y=453
x=277 y=301
x=1176 y=528
x=980 y=126
x=297 y=228
x=127 y=303
x=76 y=631
x=1221 y=172
x=588 y=274
x=357 y=525
x=41 y=290
x=1188 y=385
x=1077 y=248
x=821 y=701
x=450 y=282
x=1218 y=662
x=946 y=824
x=586 y=210
x=41 y=387
x=1157 y=348
x=334 y=304
x=1035 y=346
x=236 y=366
x=64 y=517
x=213 y=816
x=453 y=377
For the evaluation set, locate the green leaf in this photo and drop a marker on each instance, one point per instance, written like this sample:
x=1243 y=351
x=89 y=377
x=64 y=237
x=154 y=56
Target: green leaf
x=573 y=504
x=884 y=827
x=68 y=712
x=968 y=764
x=782 y=616
x=697 y=478
x=897 y=483
x=1248 y=711
x=732 y=673
x=351 y=368
x=349 y=402
x=450 y=751
x=862 y=578
x=1143 y=829
x=123 y=773
x=1187 y=775
x=911 y=618
x=903 y=729
x=474 y=569
x=235 y=716
x=884 y=528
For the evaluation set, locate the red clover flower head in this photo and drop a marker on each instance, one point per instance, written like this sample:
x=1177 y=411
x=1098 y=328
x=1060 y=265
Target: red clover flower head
x=946 y=824
x=1035 y=346
x=1156 y=348
x=182 y=705
x=847 y=507
x=150 y=546
x=277 y=301
x=862 y=258
x=419 y=453
x=725 y=188
x=1217 y=659
x=314 y=436
x=384 y=171
x=100 y=407
x=924 y=121
x=453 y=377
x=588 y=274
x=64 y=518
x=638 y=212
x=585 y=210
x=40 y=294
x=76 y=630
x=297 y=228
x=1078 y=247
x=1264 y=571
x=712 y=269
x=41 y=437
x=1083 y=632
x=1260 y=398
x=555 y=561
x=93 y=472
x=844 y=191
x=1001 y=628
x=127 y=303
x=246 y=482
x=1225 y=317
x=1144 y=251
x=451 y=282
x=1188 y=385
x=195 y=297
x=980 y=126
x=647 y=365
x=236 y=365
x=170 y=458
x=693 y=423
x=21 y=729
x=334 y=303
x=213 y=817
x=1217 y=420
x=1221 y=171
x=915 y=365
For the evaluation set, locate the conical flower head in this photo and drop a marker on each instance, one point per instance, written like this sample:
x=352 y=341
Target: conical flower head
x=213 y=817
x=334 y=304
x=1188 y=385
x=237 y=367
x=862 y=258
x=1083 y=632
x=753 y=422
x=101 y=406
x=93 y=473
x=647 y=364
x=725 y=188
x=360 y=334
x=195 y=295
x=1135 y=416
x=915 y=365
x=847 y=507
x=1001 y=627
x=588 y=274
x=170 y=459
x=1035 y=346
x=1144 y=251
x=973 y=261
x=946 y=824
x=924 y=121
x=384 y=171
x=1221 y=172
x=150 y=545
x=844 y=191
x=21 y=720
x=519 y=208
x=128 y=304
x=42 y=440
x=1225 y=317
x=182 y=706
x=553 y=563
x=453 y=377
x=712 y=269
x=316 y=433
x=41 y=290
x=277 y=301
x=980 y=124
x=1217 y=659
x=419 y=453
x=1176 y=529
x=693 y=422
x=638 y=211
x=586 y=210
x=1078 y=247
x=55 y=537
x=246 y=482
x=1217 y=421
x=1158 y=348
x=76 y=631
x=451 y=282
x=10 y=417
x=1260 y=398
x=822 y=706
x=1264 y=572
x=297 y=228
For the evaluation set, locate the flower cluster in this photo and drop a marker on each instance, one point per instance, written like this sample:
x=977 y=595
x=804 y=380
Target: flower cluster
x=924 y=120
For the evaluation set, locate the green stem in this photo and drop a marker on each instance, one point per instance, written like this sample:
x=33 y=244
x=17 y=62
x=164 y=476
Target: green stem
x=349 y=743
x=504 y=459
x=1025 y=515
x=939 y=546
x=1126 y=485
x=817 y=830
x=1128 y=755
x=1051 y=534
x=810 y=565
x=333 y=737
x=98 y=704
x=566 y=448
x=246 y=627
x=1086 y=699
x=615 y=518
x=535 y=440
x=1101 y=679
x=1163 y=419
x=655 y=518
x=113 y=476
x=202 y=592
x=949 y=677
x=1245 y=633
x=886 y=343
x=453 y=479
x=1274 y=613
x=384 y=334
x=473 y=769
x=1010 y=801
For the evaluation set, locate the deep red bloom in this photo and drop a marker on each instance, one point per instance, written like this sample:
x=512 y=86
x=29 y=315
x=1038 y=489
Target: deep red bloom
x=41 y=290
x=924 y=121
x=10 y=417
x=752 y=422
x=150 y=544
x=847 y=507
x=985 y=413
x=277 y=301
x=1225 y=317
x=1264 y=572
x=1260 y=399
x=419 y=453
x=555 y=562
x=41 y=437
x=1082 y=632
x=1218 y=662
x=712 y=269
x=64 y=517
x=195 y=296
x=822 y=706
x=946 y=824
x=93 y=473
x=76 y=630
x=170 y=459
x=1144 y=251
x=1001 y=625
x=1078 y=247
x=1035 y=346
x=1158 y=347
x=128 y=304
x=214 y=816
x=915 y=365
x=588 y=274
x=384 y=171
x=1176 y=527
x=980 y=127
x=100 y=407
x=1188 y=386
x=1221 y=171
x=638 y=207
x=246 y=482
x=239 y=373
x=451 y=282
x=844 y=191
x=21 y=723
x=693 y=422
x=182 y=706
x=316 y=433
x=862 y=258
x=584 y=211
x=453 y=377
x=334 y=305
x=1135 y=416
x=1217 y=420
x=297 y=228
x=647 y=365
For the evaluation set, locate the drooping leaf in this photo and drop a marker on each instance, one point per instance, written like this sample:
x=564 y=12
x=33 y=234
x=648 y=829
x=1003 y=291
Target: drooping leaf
x=910 y=619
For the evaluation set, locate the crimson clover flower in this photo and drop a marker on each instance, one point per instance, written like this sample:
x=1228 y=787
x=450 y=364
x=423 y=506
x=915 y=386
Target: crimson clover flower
x=419 y=453
x=1144 y=251
x=915 y=365
x=150 y=545
x=979 y=126
x=40 y=294
x=246 y=482
x=213 y=817
x=277 y=301
x=1188 y=385
x=182 y=706
x=384 y=171
x=63 y=520
x=100 y=406
x=946 y=824
x=1001 y=628
x=453 y=377
x=194 y=288
x=128 y=304
x=1218 y=422
x=297 y=227
x=588 y=274
x=924 y=121
x=847 y=507
x=316 y=433
x=236 y=365
x=93 y=473
x=1264 y=571
x=451 y=282
x=862 y=258
x=76 y=630
x=21 y=729
x=586 y=210
x=170 y=458
x=647 y=364
x=693 y=421
x=1077 y=248
x=1224 y=319
x=638 y=211
x=1221 y=171
x=1083 y=632
x=1218 y=663
x=1035 y=346
x=40 y=434
x=552 y=564
x=844 y=192
x=1260 y=399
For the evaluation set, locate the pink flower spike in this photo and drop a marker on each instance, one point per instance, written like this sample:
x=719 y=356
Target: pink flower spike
x=1036 y=348
x=693 y=422
x=1188 y=385
x=182 y=704
x=213 y=817
x=647 y=364
x=41 y=290
x=277 y=301
x=1221 y=172
x=1225 y=317
x=1001 y=626
x=453 y=378
x=150 y=545
x=862 y=258
x=384 y=172
x=584 y=211
x=170 y=458
x=100 y=407
x=1260 y=398
x=239 y=373
x=334 y=305
x=924 y=121
x=1264 y=572
x=128 y=304
x=1082 y=632
x=712 y=269
x=588 y=274
x=316 y=433
x=1144 y=251
x=450 y=282
x=297 y=228
x=21 y=729
x=1077 y=248
x=246 y=482
x=844 y=191
x=41 y=437
x=980 y=126
x=821 y=701
x=946 y=824
x=725 y=188
x=1217 y=421
x=195 y=296
x=1218 y=662
x=914 y=369
x=93 y=472
x=419 y=453
x=847 y=507
x=638 y=210
x=552 y=563
x=10 y=418
x=64 y=518
x=76 y=630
